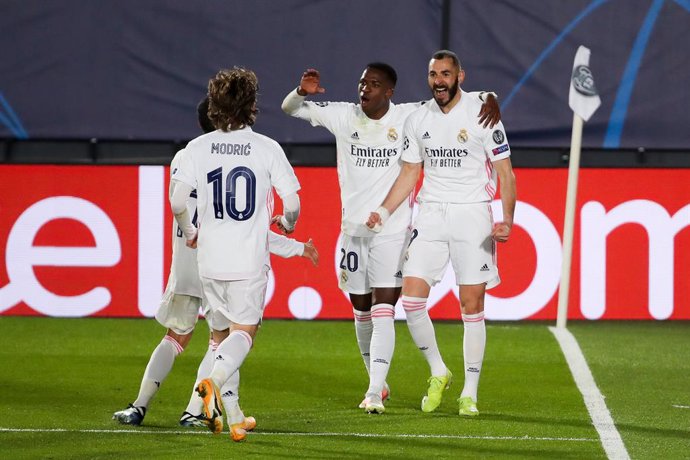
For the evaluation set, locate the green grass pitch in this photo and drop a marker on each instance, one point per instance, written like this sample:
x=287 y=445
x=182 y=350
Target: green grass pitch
x=61 y=380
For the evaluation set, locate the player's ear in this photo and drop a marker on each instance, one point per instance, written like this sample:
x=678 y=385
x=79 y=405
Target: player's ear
x=389 y=92
x=461 y=77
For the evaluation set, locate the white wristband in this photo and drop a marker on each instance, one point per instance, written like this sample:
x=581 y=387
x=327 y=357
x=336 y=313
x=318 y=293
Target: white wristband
x=485 y=94
x=384 y=214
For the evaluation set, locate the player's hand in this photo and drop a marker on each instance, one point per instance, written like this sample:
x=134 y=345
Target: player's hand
x=501 y=232
x=278 y=221
x=377 y=219
x=192 y=243
x=311 y=253
x=374 y=220
x=310 y=83
x=490 y=113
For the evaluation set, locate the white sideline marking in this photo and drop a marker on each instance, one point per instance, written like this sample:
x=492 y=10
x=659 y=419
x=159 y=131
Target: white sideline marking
x=288 y=433
x=594 y=400
x=680 y=407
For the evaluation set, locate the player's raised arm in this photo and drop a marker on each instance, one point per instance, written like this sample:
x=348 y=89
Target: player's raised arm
x=310 y=83
x=401 y=189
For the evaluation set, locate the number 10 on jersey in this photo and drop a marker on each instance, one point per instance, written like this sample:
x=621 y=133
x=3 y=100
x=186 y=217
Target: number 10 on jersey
x=240 y=186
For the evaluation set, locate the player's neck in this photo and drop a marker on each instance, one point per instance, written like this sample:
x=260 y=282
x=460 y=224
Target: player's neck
x=453 y=102
x=378 y=114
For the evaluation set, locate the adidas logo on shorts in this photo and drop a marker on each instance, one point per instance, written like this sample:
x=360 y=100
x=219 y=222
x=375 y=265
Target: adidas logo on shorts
x=485 y=268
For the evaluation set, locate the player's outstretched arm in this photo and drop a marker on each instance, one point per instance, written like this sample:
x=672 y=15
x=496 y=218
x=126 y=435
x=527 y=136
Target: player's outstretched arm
x=490 y=113
x=310 y=83
x=401 y=189
x=506 y=177
x=311 y=253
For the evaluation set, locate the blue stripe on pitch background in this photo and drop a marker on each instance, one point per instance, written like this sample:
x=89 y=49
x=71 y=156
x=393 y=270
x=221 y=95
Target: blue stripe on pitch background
x=544 y=54
x=11 y=120
x=625 y=88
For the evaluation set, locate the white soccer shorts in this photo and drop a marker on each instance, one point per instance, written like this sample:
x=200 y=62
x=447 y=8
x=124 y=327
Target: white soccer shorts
x=178 y=312
x=375 y=262
x=238 y=301
x=460 y=233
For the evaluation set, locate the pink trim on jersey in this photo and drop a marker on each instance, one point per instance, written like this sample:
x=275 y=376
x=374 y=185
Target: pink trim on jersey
x=413 y=306
x=489 y=172
x=465 y=319
x=269 y=204
x=244 y=334
x=178 y=348
x=383 y=312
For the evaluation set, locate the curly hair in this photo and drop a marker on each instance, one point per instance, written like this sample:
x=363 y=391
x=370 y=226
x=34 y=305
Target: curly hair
x=232 y=99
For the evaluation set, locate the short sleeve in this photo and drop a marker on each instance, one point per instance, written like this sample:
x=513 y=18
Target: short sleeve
x=184 y=170
x=411 y=152
x=496 y=143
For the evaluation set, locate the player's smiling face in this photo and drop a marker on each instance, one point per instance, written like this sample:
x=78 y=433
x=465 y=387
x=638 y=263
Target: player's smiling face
x=375 y=92
x=444 y=80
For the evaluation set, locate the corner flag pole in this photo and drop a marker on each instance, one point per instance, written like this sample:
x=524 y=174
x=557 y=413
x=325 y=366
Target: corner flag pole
x=584 y=101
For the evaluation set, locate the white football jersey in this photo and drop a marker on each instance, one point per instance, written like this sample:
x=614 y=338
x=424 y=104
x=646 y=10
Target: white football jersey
x=368 y=153
x=233 y=173
x=184 y=272
x=458 y=153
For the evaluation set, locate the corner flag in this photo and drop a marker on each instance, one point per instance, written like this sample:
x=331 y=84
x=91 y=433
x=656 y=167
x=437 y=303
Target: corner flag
x=584 y=101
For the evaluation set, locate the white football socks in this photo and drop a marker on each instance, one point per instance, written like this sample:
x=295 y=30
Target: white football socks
x=230 y=355
x=363 y=330
x=158 y=368
x=382 y=346
x=205 y=367
x=422 y=331
x=230 y=395
x=474 y=343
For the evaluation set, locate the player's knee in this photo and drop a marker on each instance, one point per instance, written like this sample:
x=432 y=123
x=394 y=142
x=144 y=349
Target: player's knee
x=181 y=338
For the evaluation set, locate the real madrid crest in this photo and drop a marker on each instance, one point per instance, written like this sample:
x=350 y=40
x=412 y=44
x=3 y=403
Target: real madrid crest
x=462 y=136
x=392 y=135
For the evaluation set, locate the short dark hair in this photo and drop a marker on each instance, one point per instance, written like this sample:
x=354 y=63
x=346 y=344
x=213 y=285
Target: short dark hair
x=232 y=98
x=387 y=70
x=444 y=54
x=202 y=116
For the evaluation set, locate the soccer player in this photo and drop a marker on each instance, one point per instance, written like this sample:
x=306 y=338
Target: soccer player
x=179 y=311
x=369 y=144
x=462 y=161
x=233 y=170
